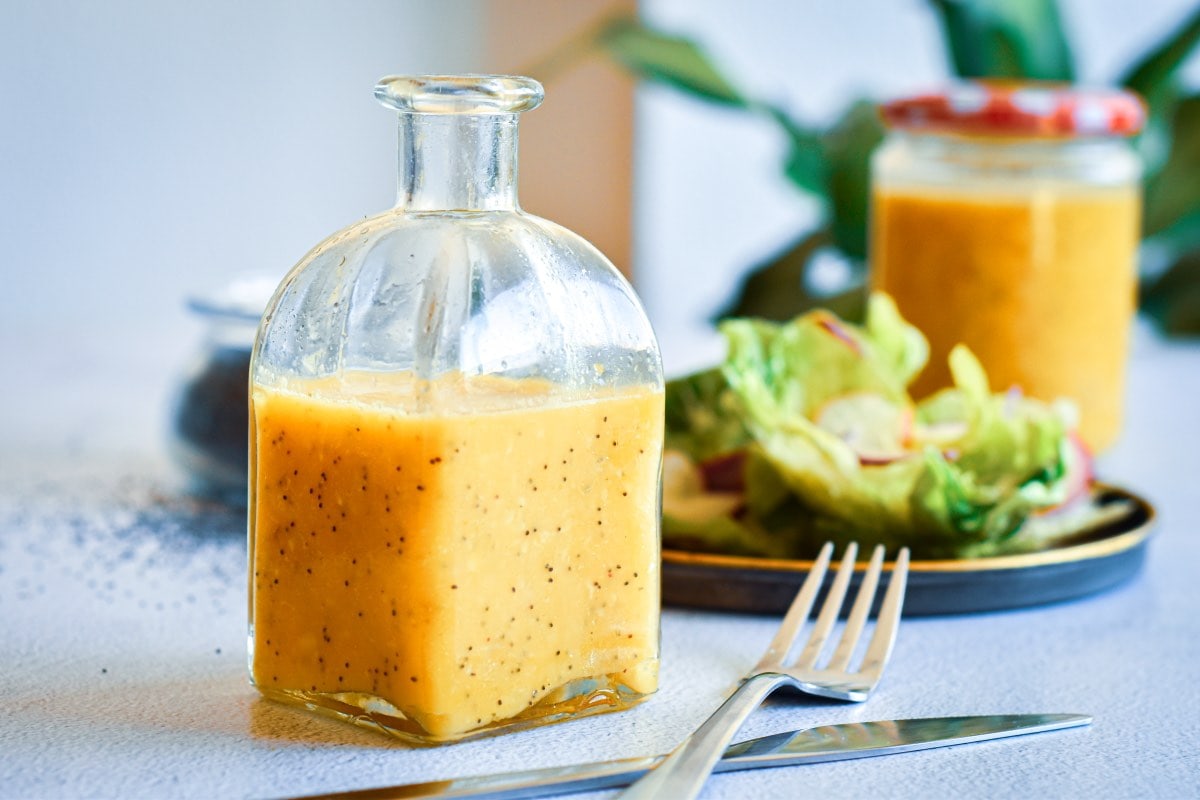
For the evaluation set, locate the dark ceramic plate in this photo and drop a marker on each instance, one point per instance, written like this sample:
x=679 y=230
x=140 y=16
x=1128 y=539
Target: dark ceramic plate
x=1090 y=562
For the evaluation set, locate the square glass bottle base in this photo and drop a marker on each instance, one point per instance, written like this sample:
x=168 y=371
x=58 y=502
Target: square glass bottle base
x=579 y=698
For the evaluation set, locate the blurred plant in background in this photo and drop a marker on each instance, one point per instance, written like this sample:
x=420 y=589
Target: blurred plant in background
x=1014 y=39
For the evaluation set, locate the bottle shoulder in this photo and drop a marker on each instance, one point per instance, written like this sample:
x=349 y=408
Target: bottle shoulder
x=478 y=292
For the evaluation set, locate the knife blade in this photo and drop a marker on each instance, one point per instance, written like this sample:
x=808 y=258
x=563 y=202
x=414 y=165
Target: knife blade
x=808 y=746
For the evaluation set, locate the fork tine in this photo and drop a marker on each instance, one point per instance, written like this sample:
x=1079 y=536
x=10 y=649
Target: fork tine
x=797 y=613
x=880 y=648
x=829 y=611
x=858 y=614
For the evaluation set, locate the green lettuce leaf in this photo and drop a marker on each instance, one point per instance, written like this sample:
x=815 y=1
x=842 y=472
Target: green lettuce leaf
x=831 y=435
x=704 y=418
x=731 y=536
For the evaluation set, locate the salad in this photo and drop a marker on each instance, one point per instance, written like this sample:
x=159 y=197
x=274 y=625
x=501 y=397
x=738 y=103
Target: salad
x=806 y=433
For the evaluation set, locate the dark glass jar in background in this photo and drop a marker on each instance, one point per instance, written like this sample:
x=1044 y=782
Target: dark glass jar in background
x=209 y=421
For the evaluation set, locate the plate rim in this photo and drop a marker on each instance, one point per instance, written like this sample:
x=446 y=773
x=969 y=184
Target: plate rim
x=1107 y=545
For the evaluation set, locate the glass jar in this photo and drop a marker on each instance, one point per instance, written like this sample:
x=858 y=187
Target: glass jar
x=457 y=430
x=1007 y=217
x=208 y=427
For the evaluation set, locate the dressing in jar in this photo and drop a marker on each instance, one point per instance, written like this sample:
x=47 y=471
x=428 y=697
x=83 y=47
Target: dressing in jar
x=457 y=431
x=1007 y=217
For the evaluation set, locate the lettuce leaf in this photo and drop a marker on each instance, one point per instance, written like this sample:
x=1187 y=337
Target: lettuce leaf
x=704 y=418
x=822 y=410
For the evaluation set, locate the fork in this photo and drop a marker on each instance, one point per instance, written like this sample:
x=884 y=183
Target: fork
x=683 y=773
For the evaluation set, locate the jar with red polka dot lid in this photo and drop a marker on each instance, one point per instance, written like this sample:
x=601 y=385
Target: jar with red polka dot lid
x=1006 y=217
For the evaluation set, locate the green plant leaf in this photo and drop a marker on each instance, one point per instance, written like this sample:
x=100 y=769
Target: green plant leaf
x=805 y=165
x=1157 y=67
x=1174 y=192
x=1173 y=299
x=681 y=63
x=674 y=60
x=1006 y=39
x=775 y=290
x=1153 y=77
x=1182 y=236
x=848 y=146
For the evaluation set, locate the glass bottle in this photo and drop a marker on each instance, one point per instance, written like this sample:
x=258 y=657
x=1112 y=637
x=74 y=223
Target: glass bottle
x=1007 y=217
x=456 y=440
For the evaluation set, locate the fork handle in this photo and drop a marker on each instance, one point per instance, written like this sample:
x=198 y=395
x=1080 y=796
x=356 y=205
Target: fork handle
x=683 y=773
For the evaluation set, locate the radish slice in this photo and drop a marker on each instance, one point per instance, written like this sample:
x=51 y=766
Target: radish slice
x=684 y=497
x=876 y=429
x=726 y=473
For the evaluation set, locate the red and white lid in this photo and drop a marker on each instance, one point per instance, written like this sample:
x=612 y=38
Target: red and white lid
x=995 y=108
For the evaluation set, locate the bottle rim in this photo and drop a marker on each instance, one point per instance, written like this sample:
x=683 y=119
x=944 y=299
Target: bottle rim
x=459 y=94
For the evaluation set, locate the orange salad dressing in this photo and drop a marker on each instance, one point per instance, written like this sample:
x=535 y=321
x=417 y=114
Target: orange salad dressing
x=461 y=566
x=1039 y=284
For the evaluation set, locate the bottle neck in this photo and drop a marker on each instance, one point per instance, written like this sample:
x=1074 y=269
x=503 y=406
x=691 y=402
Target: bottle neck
x=457 y=162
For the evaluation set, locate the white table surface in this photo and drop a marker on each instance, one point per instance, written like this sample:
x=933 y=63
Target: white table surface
x=122 y=642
